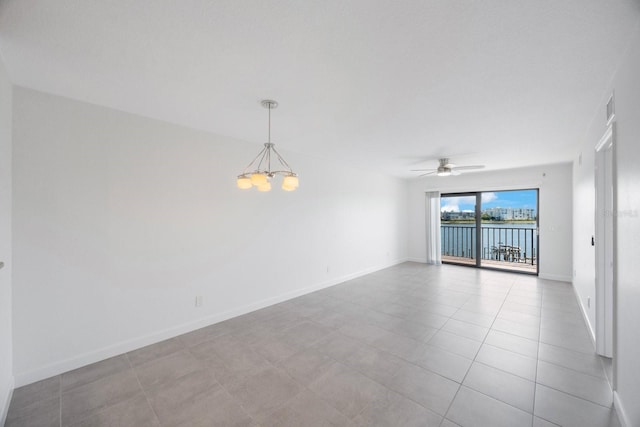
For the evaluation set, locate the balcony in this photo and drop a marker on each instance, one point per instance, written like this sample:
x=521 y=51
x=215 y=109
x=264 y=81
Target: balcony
x=513 y=247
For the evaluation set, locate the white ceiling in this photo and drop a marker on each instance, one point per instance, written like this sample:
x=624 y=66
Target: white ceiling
x=384 y=85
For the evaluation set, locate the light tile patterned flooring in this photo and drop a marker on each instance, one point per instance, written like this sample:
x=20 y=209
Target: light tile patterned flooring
x=411 y=345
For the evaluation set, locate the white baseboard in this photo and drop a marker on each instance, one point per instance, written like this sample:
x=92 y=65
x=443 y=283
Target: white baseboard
x=97 y=355
x=622 y=415
x=420 y=260
x=585 y=316
x=7 y=402
x=555 y=277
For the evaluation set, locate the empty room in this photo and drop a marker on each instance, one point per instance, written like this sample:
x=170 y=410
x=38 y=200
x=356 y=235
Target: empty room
x=319 y=213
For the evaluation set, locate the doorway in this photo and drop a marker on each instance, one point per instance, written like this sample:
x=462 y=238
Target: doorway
x=491 y=229
x=604 y=241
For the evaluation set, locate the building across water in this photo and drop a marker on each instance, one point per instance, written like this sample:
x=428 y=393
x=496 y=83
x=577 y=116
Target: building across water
x=507 y=214
x=456 y=215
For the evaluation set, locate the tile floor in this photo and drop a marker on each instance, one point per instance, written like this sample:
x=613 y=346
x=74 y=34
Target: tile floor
x=411 y=345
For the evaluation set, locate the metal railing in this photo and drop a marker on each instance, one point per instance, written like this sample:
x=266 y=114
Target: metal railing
x=508 y=244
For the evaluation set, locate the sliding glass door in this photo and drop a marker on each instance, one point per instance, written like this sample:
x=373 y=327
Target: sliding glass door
x=458 y=228
x=497 y=229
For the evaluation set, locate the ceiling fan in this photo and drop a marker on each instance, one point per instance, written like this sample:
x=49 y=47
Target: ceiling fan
x=446 y=168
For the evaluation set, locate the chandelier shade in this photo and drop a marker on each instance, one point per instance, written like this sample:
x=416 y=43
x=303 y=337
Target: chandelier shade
x=258 y=179
x=290 y=182
x=266 y=186
x=259 y=172
x=244 y=182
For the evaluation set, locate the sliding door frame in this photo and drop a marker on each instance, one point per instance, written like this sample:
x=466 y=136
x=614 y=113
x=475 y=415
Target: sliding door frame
x=479 y=234
x=478 y=243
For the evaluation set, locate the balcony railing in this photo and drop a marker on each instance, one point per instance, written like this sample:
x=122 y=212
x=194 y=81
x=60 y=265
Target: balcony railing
x=503 y=244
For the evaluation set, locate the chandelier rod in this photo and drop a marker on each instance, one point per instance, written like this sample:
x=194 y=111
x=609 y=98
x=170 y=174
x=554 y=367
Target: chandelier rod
x=269 y=139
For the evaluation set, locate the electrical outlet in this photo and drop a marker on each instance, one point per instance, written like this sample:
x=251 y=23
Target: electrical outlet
x=199 y=301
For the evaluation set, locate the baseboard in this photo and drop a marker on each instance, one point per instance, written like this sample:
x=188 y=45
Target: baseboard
x=344 y=278
x=5 y=406
x=622 y=415
x=555 y=277
x=88 y=358
x=585 y=316
x=420 y=260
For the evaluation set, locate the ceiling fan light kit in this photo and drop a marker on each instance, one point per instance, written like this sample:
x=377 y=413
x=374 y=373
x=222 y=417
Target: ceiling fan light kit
x=443 y=172
x=445 y=168
x=258 y=173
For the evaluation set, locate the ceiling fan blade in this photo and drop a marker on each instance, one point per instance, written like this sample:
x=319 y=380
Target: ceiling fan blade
x=428 y=173
x=468 y=168
x=454 y=172
x=423 y=170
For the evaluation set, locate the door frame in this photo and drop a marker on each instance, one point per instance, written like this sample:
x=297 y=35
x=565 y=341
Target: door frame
x=605 y=242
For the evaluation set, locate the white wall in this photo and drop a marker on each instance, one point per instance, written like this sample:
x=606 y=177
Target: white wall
x=554 y=182
x=626 y=85
x=121 y=221
x=6 y=350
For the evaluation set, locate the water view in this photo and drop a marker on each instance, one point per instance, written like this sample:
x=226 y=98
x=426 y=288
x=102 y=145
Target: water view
x=459 y=240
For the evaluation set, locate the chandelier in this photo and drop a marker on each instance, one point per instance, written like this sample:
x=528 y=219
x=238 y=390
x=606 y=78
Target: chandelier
x=258 y=173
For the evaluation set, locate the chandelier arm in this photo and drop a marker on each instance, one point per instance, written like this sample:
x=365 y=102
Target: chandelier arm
x=261 y=153
x=284 y=173
x=265 y=152
x=282 y=161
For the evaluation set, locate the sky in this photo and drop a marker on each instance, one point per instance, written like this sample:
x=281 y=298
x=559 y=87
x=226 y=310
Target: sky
x=492 y=199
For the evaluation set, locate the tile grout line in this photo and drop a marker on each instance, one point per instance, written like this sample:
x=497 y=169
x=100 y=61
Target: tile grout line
x=575 y=397
x=491 y=326
x=439 y=329
x=538 y=360
x=535 y=383
x=571 y=369
x=349 y=366
x=237 y=402
x=60 y=400
x=491 y=397
x=144 y=393
x=476 y=355
x=105 y=408
x=399 y=357
x=272 y=365
x=502 y=370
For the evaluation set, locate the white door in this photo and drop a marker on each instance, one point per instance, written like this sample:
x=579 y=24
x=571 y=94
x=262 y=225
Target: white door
x=604 y=241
